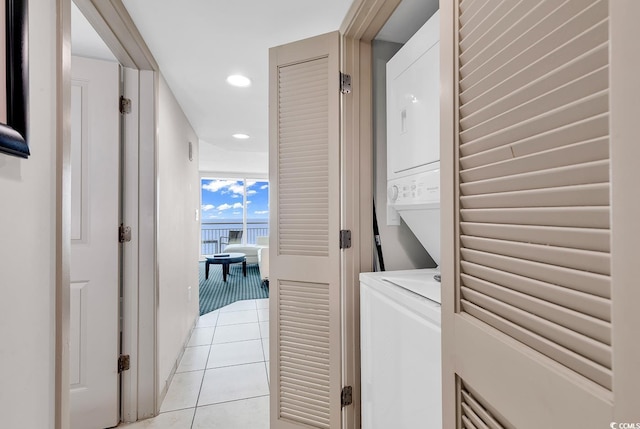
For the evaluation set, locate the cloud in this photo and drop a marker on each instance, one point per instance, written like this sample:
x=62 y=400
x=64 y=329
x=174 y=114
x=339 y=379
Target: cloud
x=224 y=186
x=237 y=213
x=264 y=186
x=261 y=212
x=251 y=192
x=208 y=207
x=226 y=206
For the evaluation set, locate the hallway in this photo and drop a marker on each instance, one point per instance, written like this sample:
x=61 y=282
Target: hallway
x=223 y=378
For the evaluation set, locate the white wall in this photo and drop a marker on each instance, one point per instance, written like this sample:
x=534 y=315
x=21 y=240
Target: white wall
x=27 y=245
x=400 y=247
x=232 y=163
x=178 y=238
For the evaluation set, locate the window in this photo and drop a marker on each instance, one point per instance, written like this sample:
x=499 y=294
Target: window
x=233 y=205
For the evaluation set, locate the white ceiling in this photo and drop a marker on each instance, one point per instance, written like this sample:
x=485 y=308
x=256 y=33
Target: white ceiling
x=198 y=43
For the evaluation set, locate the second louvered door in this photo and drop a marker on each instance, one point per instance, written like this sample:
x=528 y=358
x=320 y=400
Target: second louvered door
x=304 y=242
x=525 y=155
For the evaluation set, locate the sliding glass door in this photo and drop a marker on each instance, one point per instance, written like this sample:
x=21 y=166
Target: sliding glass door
x=238 y=205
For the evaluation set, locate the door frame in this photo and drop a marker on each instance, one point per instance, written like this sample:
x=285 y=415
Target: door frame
x=139 y=397
x=363 y=21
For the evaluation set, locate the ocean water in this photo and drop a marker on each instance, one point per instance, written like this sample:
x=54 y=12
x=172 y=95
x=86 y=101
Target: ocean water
x=213 y=231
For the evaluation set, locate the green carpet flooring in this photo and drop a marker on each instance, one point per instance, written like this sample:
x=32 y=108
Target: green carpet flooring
x=214 y=293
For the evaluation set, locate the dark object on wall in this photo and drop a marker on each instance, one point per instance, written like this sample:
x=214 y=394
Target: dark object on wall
x=376 y=236
x=13 y=133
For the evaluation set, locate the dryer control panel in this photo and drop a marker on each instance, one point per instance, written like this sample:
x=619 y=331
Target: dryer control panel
x=420 y=189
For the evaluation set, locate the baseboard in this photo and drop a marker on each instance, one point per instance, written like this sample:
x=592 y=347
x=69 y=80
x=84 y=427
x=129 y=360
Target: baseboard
x=165 y=388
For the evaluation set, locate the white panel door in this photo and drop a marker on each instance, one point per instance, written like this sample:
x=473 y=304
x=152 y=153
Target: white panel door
x=94 y=346
x=304 y=267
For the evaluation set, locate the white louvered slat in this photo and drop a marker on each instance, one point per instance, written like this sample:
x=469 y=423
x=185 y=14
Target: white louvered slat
x=578 y=238
x=552 y=349
x=582 y=195
x=304 y=366
x=586 y=260
x=508 y=26
x=592 y=105
x=587 y=325
x=590 y=128
x=576 y=29
x=584 y=174
x=580 y=217
x=534 y=179
x=474 y=412
x=470 y=17
x=565 y=23
x=303 y=175
x=583 y=152
x=558 y=294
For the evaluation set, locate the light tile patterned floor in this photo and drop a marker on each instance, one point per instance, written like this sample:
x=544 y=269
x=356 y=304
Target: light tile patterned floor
x=223 y=378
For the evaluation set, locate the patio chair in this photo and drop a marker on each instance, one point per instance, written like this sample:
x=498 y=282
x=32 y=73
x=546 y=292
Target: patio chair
x=235 y=237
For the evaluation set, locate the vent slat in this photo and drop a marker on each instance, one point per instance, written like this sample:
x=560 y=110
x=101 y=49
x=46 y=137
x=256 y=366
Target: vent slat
x=566 y=23
x=574 y=37
x=506 y=95
x=551 y=349
x=578 y=321
x=471 y=405
x=303 y=154
x=472 y=417
x=592 y=105
x=598 y=307
x=303 y=350
x=588 y=129
x=578 y=259
x=582 y=174
x=565 y=196
x=577 y=238
x=580 y=217
x=591 y=283
x=578 y=153
x=479 y=411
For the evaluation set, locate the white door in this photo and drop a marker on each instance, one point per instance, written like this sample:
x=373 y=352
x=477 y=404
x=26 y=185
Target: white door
x=526 y=265
x=304 y=156
x=94 y=345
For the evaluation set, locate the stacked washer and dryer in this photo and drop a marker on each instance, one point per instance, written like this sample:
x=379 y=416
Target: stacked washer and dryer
x=400 y=310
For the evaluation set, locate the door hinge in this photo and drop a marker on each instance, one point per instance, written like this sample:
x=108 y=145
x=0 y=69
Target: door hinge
x=124 y=233
x=125 y=105
x=345 y=239
x=345 y=83
x=346 y=398
x=124 y=362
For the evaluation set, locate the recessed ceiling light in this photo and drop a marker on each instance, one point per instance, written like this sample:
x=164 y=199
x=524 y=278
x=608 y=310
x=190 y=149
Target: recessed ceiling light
x=241 y=136
x=238 y=80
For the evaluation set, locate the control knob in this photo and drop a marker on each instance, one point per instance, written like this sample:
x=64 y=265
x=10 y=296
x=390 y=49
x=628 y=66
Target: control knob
x=392 y=193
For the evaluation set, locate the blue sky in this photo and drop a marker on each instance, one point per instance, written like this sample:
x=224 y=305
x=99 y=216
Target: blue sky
x=222 y=199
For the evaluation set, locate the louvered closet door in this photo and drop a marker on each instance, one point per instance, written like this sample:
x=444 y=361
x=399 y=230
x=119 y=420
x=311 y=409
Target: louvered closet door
x=527 y=314
x=304 y=247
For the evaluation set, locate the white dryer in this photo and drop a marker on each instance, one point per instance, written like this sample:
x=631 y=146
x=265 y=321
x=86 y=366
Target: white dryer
x=400 y=310
x=400 y=349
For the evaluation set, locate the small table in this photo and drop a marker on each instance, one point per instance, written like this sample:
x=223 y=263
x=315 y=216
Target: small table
x=225 y=259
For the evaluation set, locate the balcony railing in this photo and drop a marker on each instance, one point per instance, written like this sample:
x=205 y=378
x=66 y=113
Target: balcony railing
x=212 y=231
